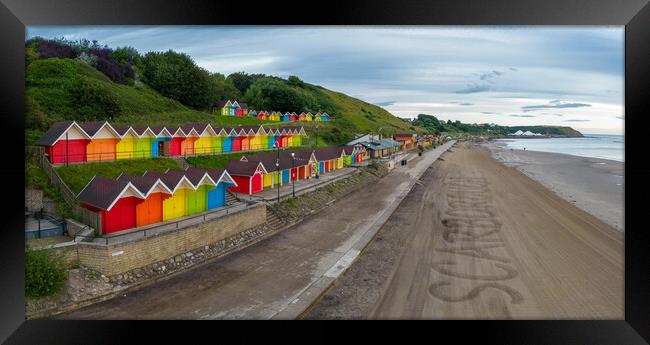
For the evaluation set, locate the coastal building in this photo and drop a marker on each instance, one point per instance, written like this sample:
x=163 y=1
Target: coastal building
x=103 y=139
x=248 y=176
x=115 y=201
x=65 y=142
x=150 y=209
x=161 y=145
x=100 y=141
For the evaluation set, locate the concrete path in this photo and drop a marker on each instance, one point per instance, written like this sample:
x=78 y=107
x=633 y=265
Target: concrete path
x=280 y=276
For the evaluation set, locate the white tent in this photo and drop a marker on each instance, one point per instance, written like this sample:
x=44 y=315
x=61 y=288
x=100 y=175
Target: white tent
x=519 y=132
x=528 y=133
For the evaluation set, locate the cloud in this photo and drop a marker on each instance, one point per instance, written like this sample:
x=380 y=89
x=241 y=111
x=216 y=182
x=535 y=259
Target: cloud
x=555 y=104
x=474 y=89
x=465 y=104
x=513 y=69
x=577 y=120
x=385 y=104
x=487 y=112
x=524 y=115
x=620 y=117
x=490 y=75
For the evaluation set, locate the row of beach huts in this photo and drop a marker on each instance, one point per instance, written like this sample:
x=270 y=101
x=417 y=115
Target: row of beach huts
x=234 y=108
x=132 y=201
x=72 y=142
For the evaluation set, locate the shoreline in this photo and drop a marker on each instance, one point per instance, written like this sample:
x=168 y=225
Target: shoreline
x=595 y=185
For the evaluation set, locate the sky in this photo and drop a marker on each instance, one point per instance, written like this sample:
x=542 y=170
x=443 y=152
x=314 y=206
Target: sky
x=508 y=75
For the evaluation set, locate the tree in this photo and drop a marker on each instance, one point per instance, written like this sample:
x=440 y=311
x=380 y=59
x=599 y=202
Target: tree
x=295 y=81
x=272 y=93
x=176 y=76
x=128 y=55
x=242 y=81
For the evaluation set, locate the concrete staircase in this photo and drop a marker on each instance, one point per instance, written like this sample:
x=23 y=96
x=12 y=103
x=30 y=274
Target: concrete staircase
x=182 y=161
x=230 y=198
x=272 y=220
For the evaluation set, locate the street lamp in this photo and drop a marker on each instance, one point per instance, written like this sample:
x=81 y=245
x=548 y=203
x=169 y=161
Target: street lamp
x=293 y=180
x=277 y=169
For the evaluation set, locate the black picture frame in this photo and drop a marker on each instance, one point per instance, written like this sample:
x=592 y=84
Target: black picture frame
x=15 y=15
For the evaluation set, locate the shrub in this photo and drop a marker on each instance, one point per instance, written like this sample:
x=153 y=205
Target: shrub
x=45 y=274
x=118 y=72
x=53 y=49
x=87 y=59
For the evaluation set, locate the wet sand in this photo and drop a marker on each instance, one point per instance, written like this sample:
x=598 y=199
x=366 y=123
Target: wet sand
x=476 y=239
x=593 y=185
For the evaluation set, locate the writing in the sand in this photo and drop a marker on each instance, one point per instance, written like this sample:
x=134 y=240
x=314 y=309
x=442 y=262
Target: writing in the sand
x=470 y=239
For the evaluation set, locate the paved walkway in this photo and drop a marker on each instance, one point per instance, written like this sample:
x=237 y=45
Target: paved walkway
x=280 y=276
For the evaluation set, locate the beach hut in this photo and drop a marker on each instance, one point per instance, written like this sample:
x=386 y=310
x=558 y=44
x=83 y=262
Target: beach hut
x=191 y=136
x=234 y=109
x=240 y=134
x=226 y=142
x=329 y=157
x=196 y=199
x=256 y=138
x=175 y=144
x=301 y=117
x=286 y=117
x=149 y=210
x=243 y=109
x=325 y=117
x=142 y=143
x=65 y=142
x=205 y=143
x=125 y=148
x=115 y=201
x=252 y=113
x=216 y=197
x=161 y=145
x=247 y=176
x=174 y=206
x=293 y=117
x=103 y=139
x=262 y=115
x=309 y=117
x=218 y=140
x=318 y=117
x=223 y=107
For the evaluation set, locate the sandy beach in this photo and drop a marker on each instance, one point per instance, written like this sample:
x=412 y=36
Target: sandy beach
x=593 y=185
x=476 y=239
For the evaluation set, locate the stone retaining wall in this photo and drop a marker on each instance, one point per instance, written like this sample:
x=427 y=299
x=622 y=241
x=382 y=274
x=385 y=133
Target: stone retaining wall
x=118 y=258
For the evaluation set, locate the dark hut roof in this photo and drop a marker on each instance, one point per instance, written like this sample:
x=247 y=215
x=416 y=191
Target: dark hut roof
x=215 y=174
x=241 y=168
x=220 y=104
x=327 y=153
x=170 y=180
x=101 y=192
x=92 y=127
x=52 y=134
x=142 y=183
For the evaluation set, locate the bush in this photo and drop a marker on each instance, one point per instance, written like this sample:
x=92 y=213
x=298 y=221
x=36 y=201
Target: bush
x=53 y=49
x=45 y=274
x=117 y=72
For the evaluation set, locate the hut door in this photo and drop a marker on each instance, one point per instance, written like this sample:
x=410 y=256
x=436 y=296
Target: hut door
x=161 y=149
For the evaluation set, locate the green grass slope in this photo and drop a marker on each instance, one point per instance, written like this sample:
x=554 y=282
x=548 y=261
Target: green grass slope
x=64 y=89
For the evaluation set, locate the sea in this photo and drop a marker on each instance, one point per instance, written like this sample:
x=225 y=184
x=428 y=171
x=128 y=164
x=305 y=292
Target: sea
x=603 y=146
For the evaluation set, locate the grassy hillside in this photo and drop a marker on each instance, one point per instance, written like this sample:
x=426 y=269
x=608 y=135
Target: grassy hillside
x=77 y=176
x=67 y=89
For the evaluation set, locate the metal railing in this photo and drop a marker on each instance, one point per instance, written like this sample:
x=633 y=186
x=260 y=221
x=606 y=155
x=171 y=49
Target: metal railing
x=86 y=216
x=111 y=156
